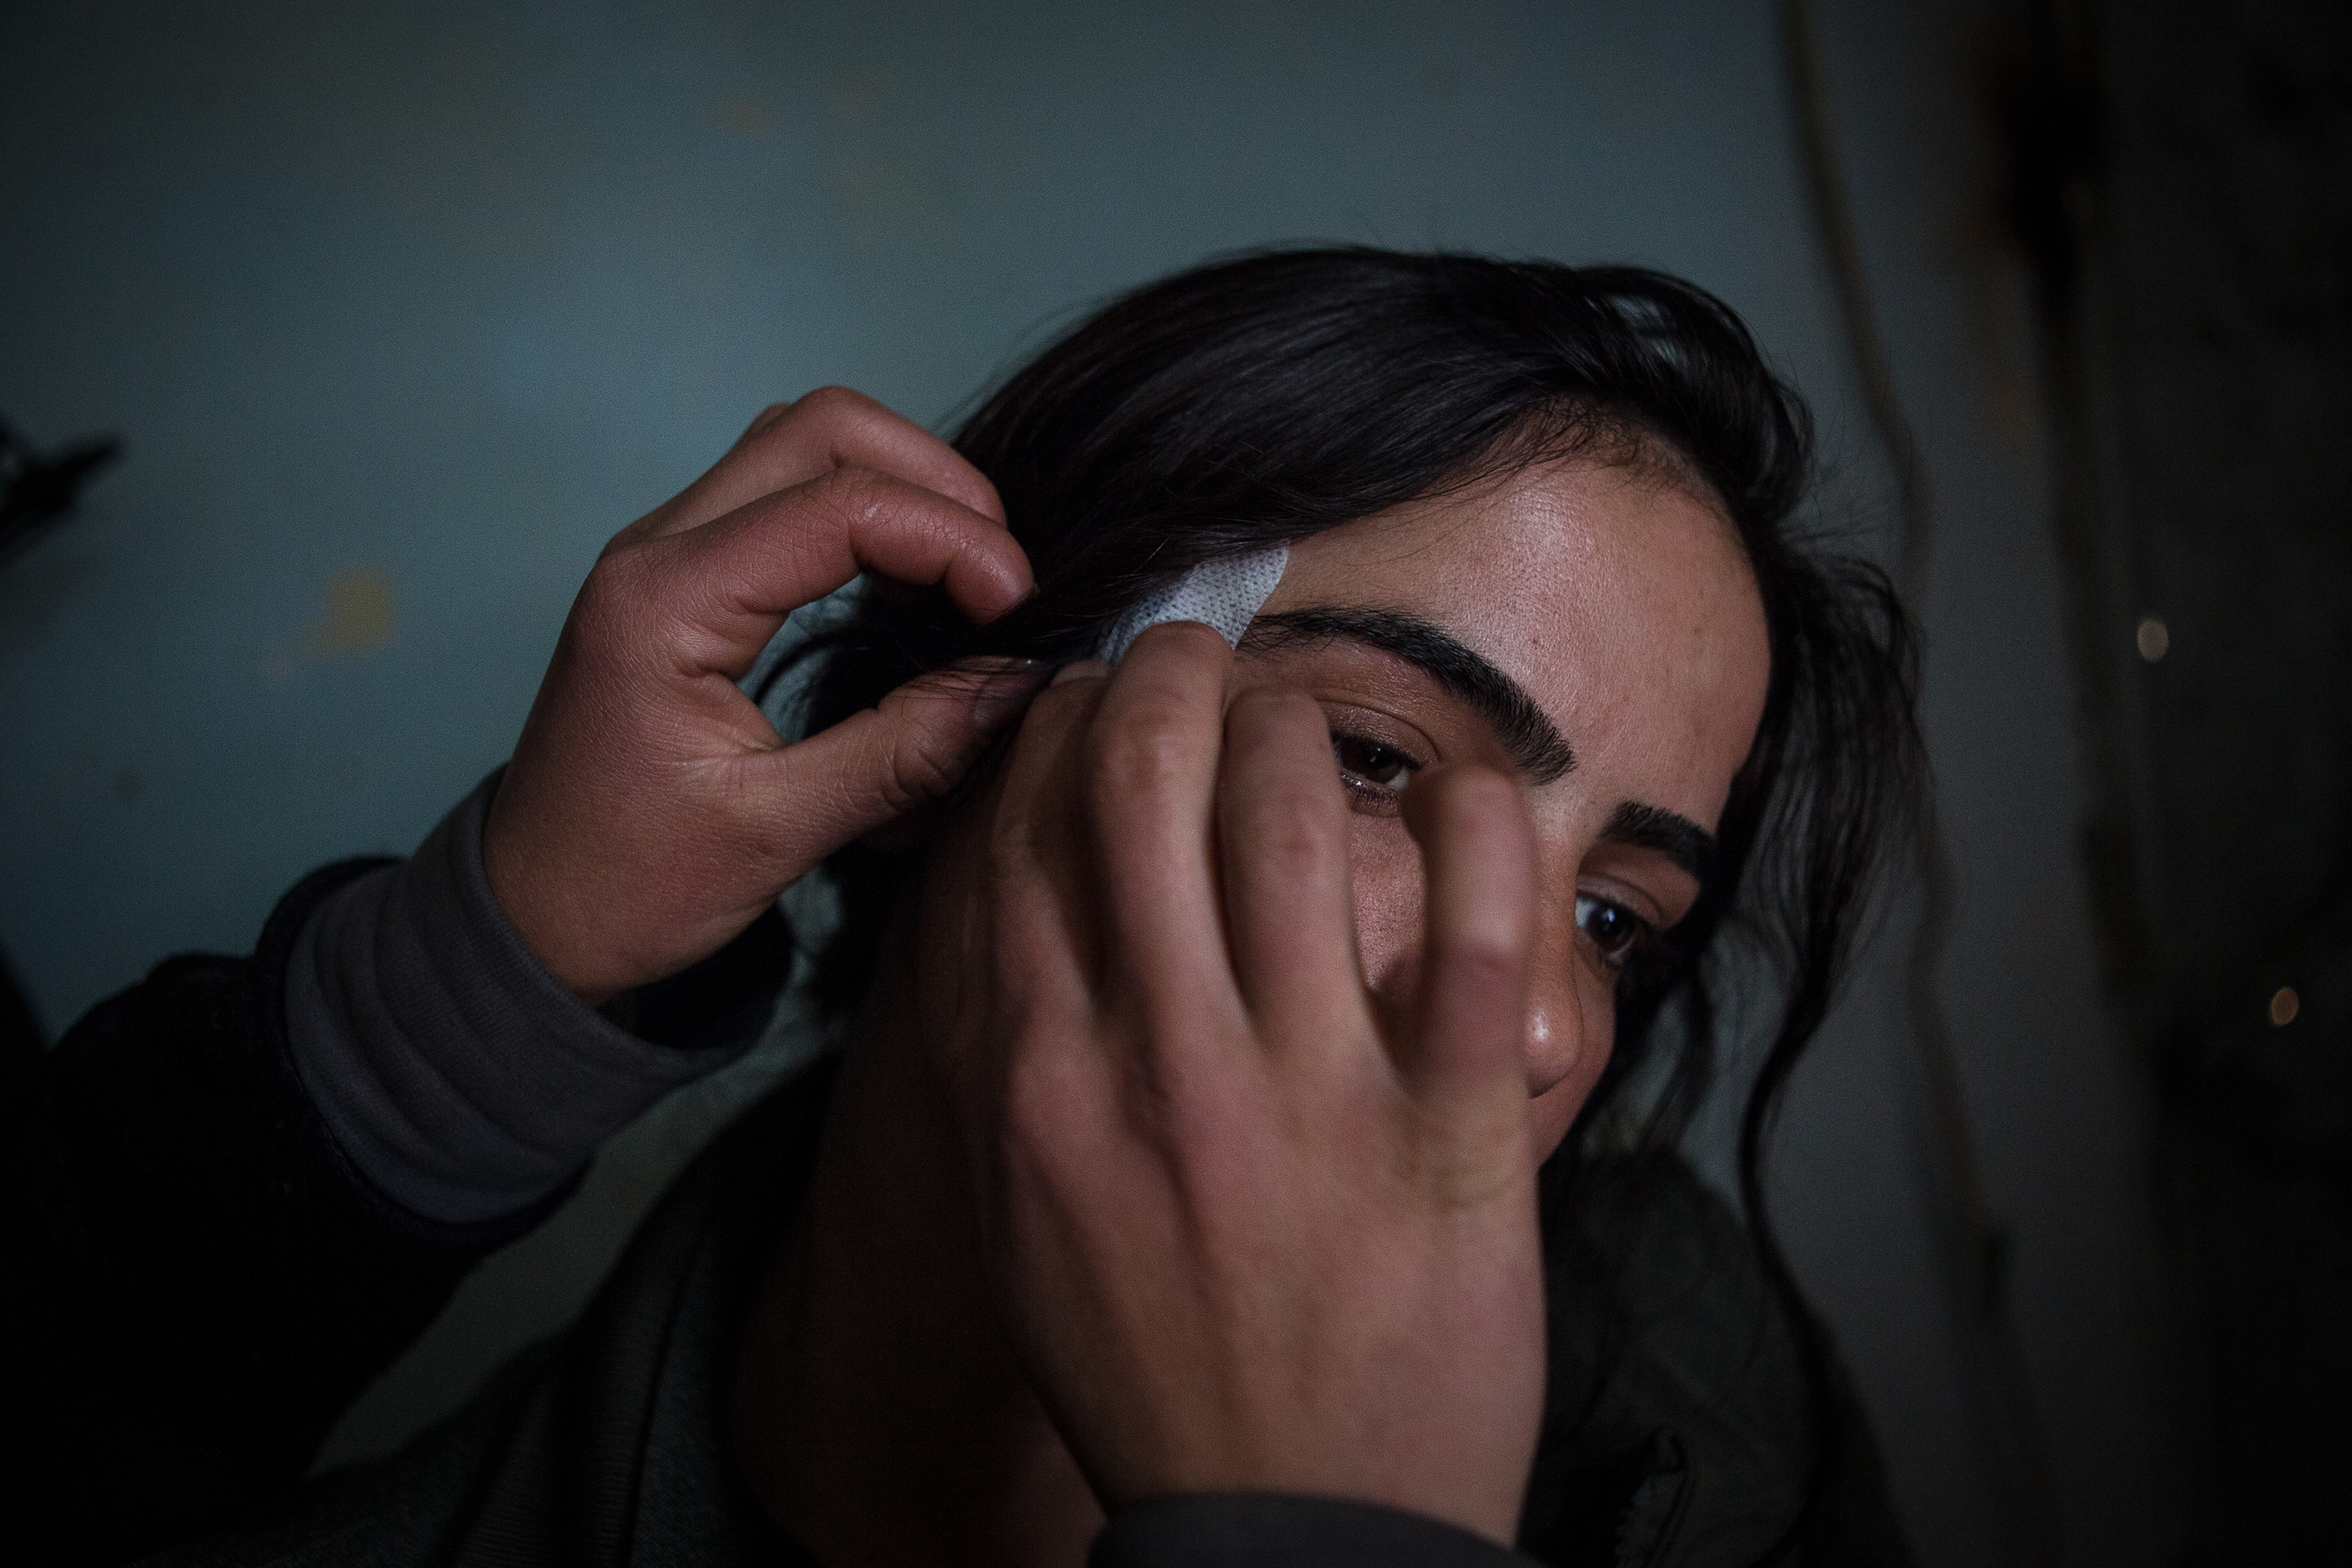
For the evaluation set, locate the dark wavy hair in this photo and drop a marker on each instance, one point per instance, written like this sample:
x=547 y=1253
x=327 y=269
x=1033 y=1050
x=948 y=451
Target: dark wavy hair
x=1265 y=397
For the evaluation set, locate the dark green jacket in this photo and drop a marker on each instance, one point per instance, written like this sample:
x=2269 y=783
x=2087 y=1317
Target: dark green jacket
x=193 y=1286
x=1676 y=1431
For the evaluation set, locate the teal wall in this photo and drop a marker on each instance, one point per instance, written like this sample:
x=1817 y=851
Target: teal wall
x=402 y=310
x=408 y=307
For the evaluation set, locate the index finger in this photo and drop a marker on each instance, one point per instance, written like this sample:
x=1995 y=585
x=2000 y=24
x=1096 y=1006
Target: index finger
x=1152 y=762
x=829 y=429
x=731 y=582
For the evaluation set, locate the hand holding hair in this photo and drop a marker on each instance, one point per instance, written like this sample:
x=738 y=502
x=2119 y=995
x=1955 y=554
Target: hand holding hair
x=650 y=811
x=1247 y=1234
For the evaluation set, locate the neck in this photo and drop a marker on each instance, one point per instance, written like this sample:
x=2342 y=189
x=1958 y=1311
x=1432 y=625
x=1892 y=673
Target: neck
x=880 y=1414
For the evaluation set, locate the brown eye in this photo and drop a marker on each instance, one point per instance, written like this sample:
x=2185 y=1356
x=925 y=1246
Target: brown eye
x=1614 y=931
x=1368 y=765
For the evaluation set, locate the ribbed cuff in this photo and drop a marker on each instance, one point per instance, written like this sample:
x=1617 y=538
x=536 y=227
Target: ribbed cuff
x=456 y=1073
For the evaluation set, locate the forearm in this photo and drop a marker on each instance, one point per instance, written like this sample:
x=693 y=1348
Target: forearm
x=460 y=1077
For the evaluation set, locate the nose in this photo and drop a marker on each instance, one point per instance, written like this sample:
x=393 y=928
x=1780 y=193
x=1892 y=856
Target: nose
x=1556 y=1026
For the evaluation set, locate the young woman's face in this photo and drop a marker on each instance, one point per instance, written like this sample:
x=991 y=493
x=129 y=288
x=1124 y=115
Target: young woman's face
x=1596 y=631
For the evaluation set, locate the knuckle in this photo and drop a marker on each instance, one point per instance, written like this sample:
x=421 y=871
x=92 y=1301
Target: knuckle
x=1480 y=966
x=651 y=526
x=1287 y=830
x=615 y=587
x=770 y=430
x=1047 y=1092
x=1147 y=752
x=830 y=401
x=853 y=493
x=922 y=766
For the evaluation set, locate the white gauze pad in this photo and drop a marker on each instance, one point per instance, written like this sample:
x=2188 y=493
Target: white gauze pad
x=1226 y=595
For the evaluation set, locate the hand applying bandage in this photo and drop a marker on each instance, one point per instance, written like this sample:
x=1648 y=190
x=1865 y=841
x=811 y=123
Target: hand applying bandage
x=1249 y=1234
x=1225 y=595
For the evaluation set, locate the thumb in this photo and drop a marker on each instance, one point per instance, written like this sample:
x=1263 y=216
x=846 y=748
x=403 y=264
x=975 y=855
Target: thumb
x=878 y=764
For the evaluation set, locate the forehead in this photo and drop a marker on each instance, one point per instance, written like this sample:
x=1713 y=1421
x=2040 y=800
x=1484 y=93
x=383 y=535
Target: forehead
x=1621 y=601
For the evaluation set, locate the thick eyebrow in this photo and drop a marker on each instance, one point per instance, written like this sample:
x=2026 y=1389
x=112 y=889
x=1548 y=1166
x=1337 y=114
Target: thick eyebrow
x=1671 y=833
x=1536 y=747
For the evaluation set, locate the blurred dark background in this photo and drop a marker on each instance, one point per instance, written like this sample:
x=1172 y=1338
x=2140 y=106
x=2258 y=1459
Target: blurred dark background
x=397 y=312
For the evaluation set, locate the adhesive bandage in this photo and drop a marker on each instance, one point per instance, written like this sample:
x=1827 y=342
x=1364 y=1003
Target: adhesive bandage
x=1226 y=595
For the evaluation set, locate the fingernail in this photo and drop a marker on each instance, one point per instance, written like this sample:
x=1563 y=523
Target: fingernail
x=1007 y=690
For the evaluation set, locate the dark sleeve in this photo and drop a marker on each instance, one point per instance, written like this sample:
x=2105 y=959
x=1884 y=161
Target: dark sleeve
x=1251 y=1530
x=193 y=1282
x=195 y=1279
x=457 y=1076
